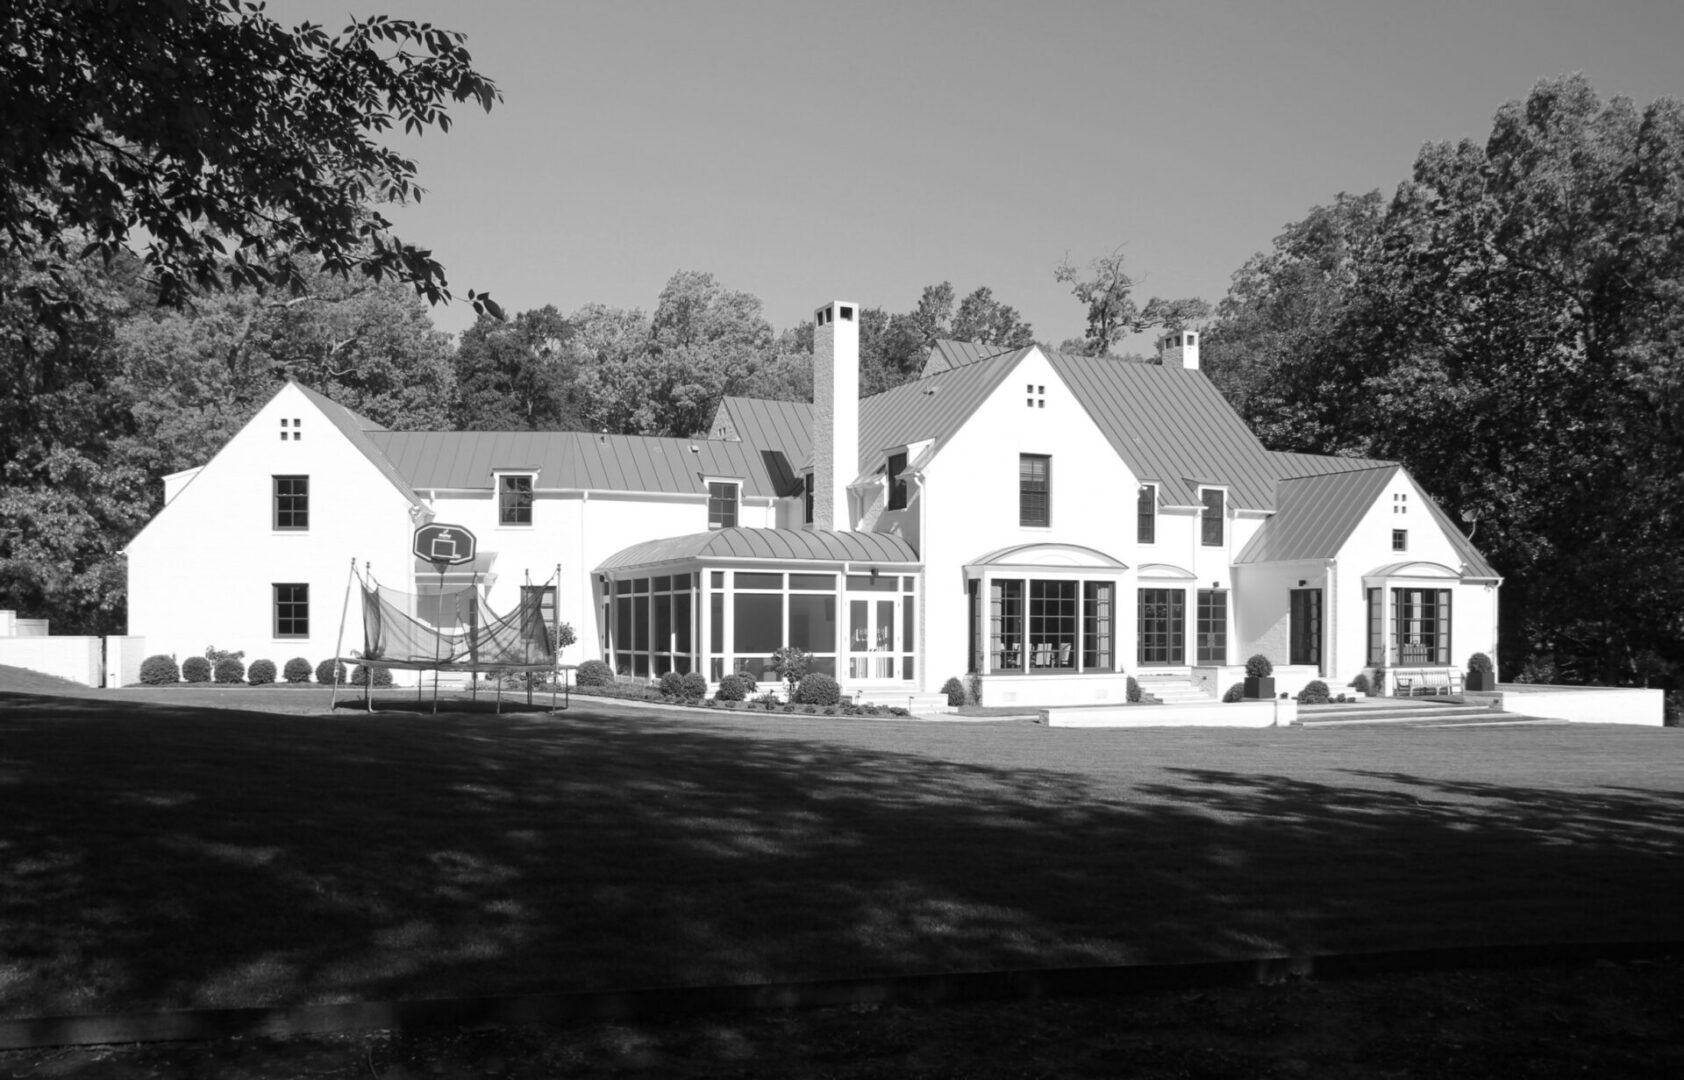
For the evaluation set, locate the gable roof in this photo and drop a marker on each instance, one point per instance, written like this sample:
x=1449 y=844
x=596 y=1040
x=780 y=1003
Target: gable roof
x=819 y=545
x=357 y=429
x=932 y=408
x=1315 y=515
x=947 y=355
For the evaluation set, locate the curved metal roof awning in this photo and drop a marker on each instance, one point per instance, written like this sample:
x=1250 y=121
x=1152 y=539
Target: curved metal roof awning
x=740 y=544
x=1422 y=570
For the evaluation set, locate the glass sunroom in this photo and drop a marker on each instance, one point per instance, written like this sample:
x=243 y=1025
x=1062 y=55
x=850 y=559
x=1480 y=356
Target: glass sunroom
x=725 y=600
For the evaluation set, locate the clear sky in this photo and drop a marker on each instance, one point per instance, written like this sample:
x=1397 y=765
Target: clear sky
x=813 y=151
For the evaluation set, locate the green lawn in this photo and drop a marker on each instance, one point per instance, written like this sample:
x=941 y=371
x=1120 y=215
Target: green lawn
x=154 y=854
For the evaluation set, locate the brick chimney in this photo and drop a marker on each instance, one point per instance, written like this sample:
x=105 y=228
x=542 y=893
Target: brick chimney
x=836 y=411
x=1180 y=348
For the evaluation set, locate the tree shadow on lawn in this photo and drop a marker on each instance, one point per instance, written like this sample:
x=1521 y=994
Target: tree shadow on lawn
x=161 y=857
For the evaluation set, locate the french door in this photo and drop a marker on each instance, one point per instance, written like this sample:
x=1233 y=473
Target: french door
x=1163 y=626
x=873 y=637
x=1305 y=627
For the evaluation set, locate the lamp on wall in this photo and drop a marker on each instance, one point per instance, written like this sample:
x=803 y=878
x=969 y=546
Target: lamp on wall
x=1302 y=583
x=874 y=575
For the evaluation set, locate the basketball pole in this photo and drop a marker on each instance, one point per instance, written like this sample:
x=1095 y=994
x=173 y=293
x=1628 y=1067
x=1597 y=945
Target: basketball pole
x=438 y=638
x=339 y=642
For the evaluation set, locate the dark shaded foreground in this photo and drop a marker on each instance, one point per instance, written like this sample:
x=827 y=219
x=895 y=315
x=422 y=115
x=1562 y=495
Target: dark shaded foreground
x=156 y=857
x=1607 y=1020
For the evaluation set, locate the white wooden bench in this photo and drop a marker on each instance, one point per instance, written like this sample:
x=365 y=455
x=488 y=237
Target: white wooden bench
x=1427 y=682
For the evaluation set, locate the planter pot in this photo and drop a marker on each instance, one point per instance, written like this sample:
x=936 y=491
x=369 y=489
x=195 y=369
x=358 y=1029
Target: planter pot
x=1480 y=682
x=1256 y=688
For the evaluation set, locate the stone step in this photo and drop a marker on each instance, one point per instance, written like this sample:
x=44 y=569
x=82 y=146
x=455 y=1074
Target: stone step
x=1418 y=716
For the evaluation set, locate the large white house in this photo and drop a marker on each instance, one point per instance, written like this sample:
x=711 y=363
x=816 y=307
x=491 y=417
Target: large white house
x=1051 y=523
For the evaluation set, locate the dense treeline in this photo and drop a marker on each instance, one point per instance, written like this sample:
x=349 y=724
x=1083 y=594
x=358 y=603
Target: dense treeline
x=1509 y=325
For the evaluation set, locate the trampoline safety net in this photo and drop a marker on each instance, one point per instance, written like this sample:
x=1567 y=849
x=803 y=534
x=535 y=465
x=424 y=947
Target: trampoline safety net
x=456 y=630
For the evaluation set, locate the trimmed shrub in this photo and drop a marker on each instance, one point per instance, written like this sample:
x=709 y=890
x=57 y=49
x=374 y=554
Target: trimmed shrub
x=298 y=670
x=359 y=676
x=261 y=672
x=229 y=669
x=694 y=686
x=672 y=685
x=955 y=691
x=159 y=670
x=1133 y=690
x=196 y=669
x=1259 y=667
x=1360 y=683
x=1481 y=663
x=1314 y=693
x=820 y=689
x=750 y=682
x=330 y=671
x=1234 y=693
x=593 y=673
x=732 y=688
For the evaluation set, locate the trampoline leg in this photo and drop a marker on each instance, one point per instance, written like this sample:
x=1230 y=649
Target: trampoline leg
x=499 y=709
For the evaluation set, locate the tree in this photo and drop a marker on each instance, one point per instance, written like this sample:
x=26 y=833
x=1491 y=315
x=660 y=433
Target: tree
x=1509 y=327
x=238 y=152
x=518 y=375
x=1107 y=289
x=985 y=321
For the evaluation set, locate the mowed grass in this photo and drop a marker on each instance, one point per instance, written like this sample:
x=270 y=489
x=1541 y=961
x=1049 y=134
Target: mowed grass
x=155 y=855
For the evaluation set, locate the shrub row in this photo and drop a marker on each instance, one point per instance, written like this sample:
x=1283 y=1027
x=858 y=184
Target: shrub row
x=228 y=668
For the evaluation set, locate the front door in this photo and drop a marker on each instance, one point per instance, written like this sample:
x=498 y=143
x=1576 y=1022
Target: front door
x=1163 y=626
x=1305 y=628
x=873 y=638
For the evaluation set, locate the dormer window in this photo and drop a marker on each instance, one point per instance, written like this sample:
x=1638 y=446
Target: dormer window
x=514 y=500
x=897 y=481
x=723 y=497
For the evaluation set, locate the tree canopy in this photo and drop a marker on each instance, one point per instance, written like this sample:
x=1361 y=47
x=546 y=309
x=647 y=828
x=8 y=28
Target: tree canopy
x=1510 y=326
x=1106 y=288
x=229 y=149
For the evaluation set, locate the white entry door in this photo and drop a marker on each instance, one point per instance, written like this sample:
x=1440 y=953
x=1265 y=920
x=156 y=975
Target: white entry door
x=873 y=637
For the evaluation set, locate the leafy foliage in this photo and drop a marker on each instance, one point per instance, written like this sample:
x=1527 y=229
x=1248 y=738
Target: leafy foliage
x=1106 y=288
x=159 y=670
x=955 y=691
x=1481 y=663
x=360 y=675
x=234 y=149
x=1234 y=693
x=261 y=672
x=230 y=669
x=517 y=375
x=1133 y=690
x=672 y=684
x=1360 y=683
x=733 y=688
x=195 y=669
x=792 y=664
x=593 y=673
x=693 y=686
x=1315 y=692
x=817 y=689
x=297 y=670
x=329 y=672
x=1509 y=326
x=1259 y=667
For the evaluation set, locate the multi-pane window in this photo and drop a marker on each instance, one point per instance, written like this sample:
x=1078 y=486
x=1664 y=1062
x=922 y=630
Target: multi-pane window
x=722 y=503
x=1098 y=624
x=1146 y=514
x=292 y=502
x=1052 y=624
x=1005 y=630
x=1421 y=627
x=1215 y=503
x=514 y=500
x=1376 y=627
x=807 y=498
x=1034 y=490
x=897 y=481
x=1400 y=539
x=1213 y=626
x=292 y=610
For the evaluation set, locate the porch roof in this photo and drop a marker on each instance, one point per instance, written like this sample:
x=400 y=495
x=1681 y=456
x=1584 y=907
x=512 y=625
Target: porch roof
x=796 y=545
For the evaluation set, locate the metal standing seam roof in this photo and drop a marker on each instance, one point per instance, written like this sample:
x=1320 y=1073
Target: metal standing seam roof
x=930 y=408
x=946 y=355
x=1171 y=426
x=1315 y=515
x=571 y=460
x=360 y=430
x=770 y=425
x=814 y=545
